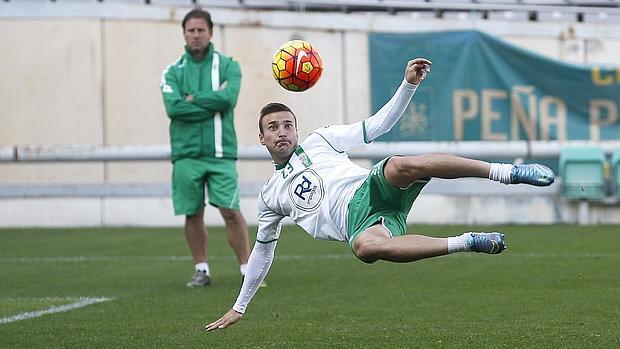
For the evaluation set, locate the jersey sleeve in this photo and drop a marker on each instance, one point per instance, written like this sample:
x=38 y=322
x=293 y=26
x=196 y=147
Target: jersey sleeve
x=259 y=263
x=343 y=137
x=177 y=108
x=389 y=114
x=268 y=221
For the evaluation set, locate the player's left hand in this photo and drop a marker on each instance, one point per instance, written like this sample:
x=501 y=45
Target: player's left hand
x=417 y=69
x=230 y=318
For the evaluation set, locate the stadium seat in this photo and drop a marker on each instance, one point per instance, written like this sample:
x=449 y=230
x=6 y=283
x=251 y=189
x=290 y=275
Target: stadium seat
x=583 y=172
x=615 y=165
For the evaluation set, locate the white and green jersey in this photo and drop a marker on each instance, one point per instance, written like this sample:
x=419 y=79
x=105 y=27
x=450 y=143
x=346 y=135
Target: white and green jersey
x=315 y=186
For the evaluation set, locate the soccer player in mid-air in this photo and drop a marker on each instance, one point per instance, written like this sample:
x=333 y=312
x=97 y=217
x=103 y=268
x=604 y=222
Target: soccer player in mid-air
x=330 y=197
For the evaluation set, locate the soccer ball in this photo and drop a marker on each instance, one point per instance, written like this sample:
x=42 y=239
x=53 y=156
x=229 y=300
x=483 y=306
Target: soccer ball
x=297 y=65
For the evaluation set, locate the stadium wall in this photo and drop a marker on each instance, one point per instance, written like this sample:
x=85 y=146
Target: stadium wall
x=95 y=80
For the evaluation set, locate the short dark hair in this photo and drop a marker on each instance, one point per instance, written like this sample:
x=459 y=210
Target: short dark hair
x=198 y=12
x=273 y=108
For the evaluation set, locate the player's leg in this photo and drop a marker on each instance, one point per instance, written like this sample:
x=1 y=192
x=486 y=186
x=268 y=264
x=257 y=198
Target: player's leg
x=378 y=221
x=376 y=243
x=237 y=233
x=196 y=236
x=188 y=199
x=401 y=171
x=223 y=188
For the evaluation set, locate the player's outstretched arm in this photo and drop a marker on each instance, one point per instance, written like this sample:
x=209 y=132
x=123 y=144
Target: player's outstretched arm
x=388 y=115
x=259 y=264
x=416 y=70
x=230 y=318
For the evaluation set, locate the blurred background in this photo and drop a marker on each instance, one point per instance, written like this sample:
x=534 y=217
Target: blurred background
x=84 y=135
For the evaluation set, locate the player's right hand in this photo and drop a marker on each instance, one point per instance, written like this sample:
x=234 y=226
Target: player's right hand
x=417 y=69
x=230 y=318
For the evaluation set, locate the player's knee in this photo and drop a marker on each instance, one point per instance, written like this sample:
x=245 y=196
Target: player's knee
x=411 y=166
x=368 y=250
x=197 y=217
x=229 y=215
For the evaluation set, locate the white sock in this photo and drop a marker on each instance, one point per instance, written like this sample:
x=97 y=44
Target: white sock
x=500 y=172
x=243 y=268
x=458 y=243
x=203 y=267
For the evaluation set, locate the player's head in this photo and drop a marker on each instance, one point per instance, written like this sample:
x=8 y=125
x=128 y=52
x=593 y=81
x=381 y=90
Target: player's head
x=197 y=30
x=274 y=108
x=277 y=126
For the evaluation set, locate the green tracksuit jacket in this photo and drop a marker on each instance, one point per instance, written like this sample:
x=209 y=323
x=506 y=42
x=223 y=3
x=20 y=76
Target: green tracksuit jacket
x=204 y=127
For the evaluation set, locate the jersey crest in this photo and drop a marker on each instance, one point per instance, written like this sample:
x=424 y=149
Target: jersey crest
x=306 y=190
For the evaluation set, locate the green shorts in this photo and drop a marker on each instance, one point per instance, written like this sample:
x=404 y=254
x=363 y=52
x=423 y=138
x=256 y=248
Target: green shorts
x=189 y=177
x=378 y=201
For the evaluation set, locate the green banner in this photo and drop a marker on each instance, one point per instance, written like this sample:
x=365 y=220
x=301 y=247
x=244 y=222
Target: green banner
x=482 y=88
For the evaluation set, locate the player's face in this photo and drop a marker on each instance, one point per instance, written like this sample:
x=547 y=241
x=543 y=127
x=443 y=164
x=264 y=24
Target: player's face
x=279 y=135
x=197 y=35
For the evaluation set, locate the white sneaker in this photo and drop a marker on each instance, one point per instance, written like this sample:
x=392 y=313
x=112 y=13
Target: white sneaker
x=199 y=279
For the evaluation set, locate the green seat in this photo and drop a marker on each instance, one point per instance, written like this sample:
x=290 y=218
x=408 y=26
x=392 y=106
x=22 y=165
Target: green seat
x=615 y=165
x=583 y=172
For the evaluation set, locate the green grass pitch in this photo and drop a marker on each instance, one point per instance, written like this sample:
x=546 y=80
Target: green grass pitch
x=554 y=287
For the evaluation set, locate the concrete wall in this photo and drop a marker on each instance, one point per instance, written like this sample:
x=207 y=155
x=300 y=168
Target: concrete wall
x=95 y=80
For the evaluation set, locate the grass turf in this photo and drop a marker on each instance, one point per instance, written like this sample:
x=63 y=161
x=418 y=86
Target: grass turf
x=555 y=286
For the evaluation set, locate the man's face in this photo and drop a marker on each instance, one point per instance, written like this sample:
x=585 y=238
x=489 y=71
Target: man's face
x=279 y=135
x=197 y=35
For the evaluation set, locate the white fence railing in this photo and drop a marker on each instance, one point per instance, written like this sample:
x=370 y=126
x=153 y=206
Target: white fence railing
x=471 y=149
x=466 y=189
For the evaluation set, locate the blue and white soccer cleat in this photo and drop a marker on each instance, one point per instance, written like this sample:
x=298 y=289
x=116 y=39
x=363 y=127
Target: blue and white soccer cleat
x=491 y=243
x=533 y=174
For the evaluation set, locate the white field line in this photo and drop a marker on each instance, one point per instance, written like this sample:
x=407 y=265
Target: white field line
x=82 y=302
x=74 y=259
x=79 y=259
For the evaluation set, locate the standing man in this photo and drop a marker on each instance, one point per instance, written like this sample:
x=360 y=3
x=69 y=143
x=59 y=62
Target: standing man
x=200 y=91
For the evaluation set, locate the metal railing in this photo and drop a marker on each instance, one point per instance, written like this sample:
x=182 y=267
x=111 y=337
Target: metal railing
x=471 y=149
